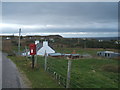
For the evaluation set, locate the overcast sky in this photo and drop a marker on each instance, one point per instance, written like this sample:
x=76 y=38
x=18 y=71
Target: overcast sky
x=69 y=19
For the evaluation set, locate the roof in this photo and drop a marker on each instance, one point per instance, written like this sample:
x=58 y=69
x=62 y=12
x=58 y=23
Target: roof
x=38 y=46
x=105 y=52
x=67 y=54
x=55 y=54
x=75 y=54
x=72 y=54
x=60 y=54
x=108 y=52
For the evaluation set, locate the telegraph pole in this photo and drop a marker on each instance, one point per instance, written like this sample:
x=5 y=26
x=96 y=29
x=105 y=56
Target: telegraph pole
x=68 y=73
x=19 y=42
x=84 y=43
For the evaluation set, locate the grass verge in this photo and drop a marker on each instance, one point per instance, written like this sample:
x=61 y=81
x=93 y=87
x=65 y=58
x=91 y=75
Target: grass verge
x=37 y=76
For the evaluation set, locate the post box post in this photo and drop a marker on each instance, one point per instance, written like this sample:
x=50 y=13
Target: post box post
x=32 y=61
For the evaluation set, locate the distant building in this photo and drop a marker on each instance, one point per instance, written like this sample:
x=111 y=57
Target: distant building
x=75 y=56
x=100 y=40
x=36 y=42
x=117 y=42
x=42 y=38
x=26 y=53
x=7 y=38
x=71 y=56
x=55 y=54
x=108 y=54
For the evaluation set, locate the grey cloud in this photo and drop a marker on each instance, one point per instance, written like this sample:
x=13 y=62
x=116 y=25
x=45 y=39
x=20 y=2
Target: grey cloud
x=72 y=13
x=54 y=11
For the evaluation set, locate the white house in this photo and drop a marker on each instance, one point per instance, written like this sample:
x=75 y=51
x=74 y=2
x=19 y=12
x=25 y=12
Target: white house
x=41 y=48
x=45 y=48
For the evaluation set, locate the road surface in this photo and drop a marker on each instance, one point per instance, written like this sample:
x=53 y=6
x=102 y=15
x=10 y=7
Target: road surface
x=11 y=78
x=0 y=70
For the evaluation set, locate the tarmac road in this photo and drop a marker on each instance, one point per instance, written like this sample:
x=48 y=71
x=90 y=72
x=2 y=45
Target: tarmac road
x=0 y=70
x=11 y=78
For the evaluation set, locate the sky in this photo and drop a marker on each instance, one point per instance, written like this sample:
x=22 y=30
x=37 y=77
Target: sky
x=68 y=19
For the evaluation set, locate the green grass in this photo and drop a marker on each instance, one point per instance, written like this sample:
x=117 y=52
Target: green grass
x=38 y=77
x=91 y=51
x=86 y=73
x=82 y=71
x=15 y=48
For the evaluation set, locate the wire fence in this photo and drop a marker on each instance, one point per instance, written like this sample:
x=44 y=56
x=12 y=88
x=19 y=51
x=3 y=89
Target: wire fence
x=59 y=74
x=61 y=80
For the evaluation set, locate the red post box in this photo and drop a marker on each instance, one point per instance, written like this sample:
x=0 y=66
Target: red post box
x=32 y=49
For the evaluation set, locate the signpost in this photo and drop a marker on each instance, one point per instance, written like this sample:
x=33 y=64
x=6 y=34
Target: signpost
x=32 y=52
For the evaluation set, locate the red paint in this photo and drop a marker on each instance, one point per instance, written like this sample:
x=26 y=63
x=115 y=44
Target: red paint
x=32 y=49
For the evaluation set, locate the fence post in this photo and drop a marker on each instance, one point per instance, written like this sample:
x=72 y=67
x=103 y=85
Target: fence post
x=56 y=76
x=36 y=59
x=45 y=60
x=68 y=73
x=59 y=79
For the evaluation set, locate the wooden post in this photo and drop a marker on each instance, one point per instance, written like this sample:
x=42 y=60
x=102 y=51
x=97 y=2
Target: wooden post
x=36 y=60
x=68 y=73
x=45 y=60
x=19 y=42
x=32 y=61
